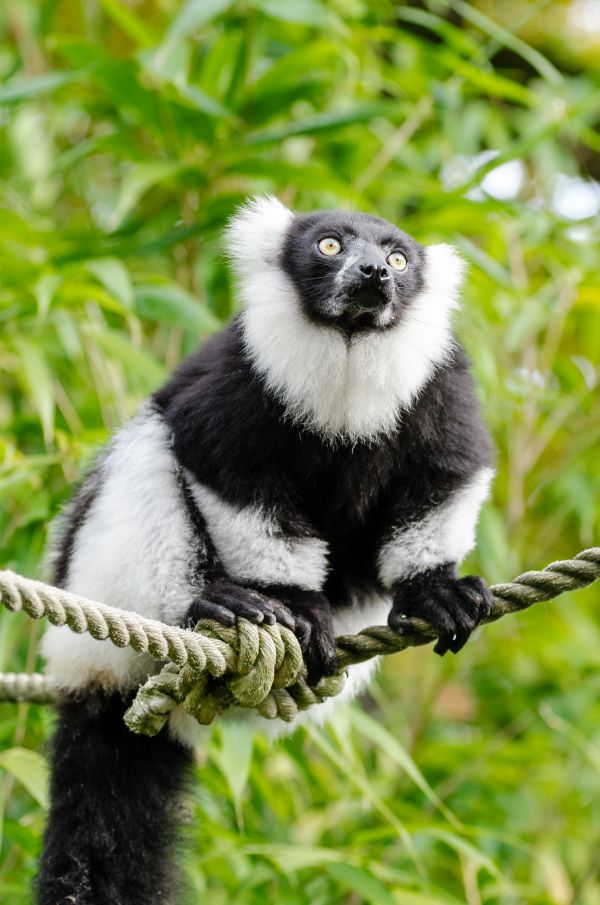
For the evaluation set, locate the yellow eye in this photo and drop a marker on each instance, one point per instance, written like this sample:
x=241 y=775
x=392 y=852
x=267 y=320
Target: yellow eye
x=329 y=246
x=397 y=260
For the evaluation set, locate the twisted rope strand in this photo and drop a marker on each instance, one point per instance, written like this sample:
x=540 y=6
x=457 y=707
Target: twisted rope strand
x=30 y=688
x=216 y=666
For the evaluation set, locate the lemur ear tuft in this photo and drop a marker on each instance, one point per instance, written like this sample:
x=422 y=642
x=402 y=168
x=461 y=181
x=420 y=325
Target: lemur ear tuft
x=444 y=272
x=255 y=233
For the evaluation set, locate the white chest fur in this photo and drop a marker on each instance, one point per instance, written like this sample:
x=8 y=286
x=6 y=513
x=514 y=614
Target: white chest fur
x=252 y=547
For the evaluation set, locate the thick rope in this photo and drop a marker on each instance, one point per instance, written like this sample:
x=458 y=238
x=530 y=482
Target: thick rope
x=216 y=667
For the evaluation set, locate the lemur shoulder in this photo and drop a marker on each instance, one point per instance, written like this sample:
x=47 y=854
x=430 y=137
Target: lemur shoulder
x=321 y=461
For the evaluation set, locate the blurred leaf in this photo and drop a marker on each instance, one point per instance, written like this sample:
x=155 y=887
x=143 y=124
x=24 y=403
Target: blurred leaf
x=320 y=123
x=44 y=290
x=234 y=756
x=37 y=378
x=137 y=182
x=197 y=99
x=136 y=362
x=171 y=304
x=304 y=12
x=474 y=854
x=378 y=734
x=193 y=15
x=296 y=857
x=114 y=276
x=34 y=86
x=361 y=882
x=30 y=769
x=537 y=60
x=131 y=24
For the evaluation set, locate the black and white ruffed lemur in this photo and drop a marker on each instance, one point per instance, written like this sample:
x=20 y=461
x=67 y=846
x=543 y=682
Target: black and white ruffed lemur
x=321 y=462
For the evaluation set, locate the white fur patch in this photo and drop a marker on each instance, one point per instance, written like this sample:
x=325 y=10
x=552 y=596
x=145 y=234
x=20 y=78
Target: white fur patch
x=445 y=534
x=353 y=389
x=252 y=547
x=255 y=234
x=134 y=551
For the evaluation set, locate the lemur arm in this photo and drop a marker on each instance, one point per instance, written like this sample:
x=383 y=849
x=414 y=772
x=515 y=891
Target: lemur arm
x=420 y=555
x=270 y=569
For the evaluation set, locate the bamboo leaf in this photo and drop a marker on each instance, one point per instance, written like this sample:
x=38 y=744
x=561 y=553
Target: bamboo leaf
x=171 y=304
x=36 y=376
x=30 y=769
x=114 y=276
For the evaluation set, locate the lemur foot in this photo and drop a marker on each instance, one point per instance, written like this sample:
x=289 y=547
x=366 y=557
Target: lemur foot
x=225 y=601
x=454 y=606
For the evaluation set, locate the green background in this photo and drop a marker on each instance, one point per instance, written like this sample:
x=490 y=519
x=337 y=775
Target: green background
x=129 y=131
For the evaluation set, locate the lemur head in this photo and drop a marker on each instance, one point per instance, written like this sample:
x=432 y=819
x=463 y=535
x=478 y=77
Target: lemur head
x=345 y=316
x=352 y=271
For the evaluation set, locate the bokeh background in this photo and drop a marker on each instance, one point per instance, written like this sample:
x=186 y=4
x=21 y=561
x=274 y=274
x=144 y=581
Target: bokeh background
x=129 y=131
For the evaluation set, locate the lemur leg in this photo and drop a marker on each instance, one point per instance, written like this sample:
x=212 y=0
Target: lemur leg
x=454 y=606
x=113 y=821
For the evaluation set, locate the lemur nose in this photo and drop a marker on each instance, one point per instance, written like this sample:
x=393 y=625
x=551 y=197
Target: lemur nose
x=374 y=273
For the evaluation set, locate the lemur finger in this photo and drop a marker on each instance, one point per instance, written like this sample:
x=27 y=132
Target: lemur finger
x=480 y=593
x=239 y=607
x=448 y=633
x=320 y=657
x=303 y=630
x=273 y=609
x=206 y=609
x=432 y=611
x=463 y=617
x=429 y=610
x=283 y=615
x=245 y=602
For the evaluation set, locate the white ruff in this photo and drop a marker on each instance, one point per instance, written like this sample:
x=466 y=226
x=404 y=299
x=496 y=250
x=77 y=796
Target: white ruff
x=353 y=389
x=446 y=534
x=252 y=547
x=133 y=551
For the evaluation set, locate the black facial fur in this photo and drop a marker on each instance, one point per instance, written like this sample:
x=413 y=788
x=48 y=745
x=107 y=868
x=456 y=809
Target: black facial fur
x=356 y=289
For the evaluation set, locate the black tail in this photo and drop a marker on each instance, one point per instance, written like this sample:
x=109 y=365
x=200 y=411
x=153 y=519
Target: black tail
x=113 y=818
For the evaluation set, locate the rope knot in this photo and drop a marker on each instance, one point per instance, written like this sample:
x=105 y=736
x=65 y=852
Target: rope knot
x=264 y=670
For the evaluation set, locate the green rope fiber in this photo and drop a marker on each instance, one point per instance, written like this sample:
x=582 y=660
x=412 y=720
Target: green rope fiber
x=215 y=667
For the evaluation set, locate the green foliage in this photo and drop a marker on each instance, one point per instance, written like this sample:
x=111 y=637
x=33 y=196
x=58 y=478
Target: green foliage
x=129 y=130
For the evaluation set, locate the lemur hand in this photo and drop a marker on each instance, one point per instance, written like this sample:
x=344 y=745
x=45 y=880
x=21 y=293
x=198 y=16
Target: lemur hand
x=453 y=606
x=306 y=613
x=224 y=600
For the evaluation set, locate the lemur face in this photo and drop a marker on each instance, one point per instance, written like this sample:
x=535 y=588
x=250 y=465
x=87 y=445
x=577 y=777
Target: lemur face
x=352 y=271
